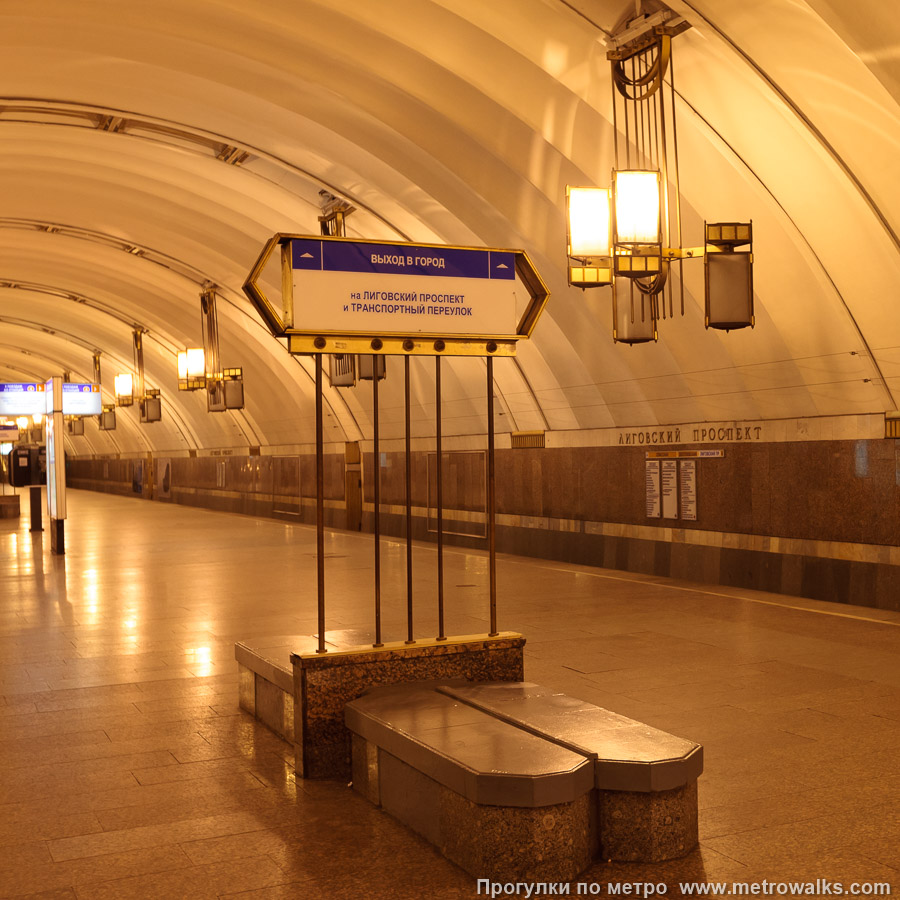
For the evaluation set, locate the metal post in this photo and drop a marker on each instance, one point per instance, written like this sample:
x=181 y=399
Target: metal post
x=409 y=576
x=320 y=507
x=36 y=512
x=377 y=484
x=491 y=499
x=440 y=501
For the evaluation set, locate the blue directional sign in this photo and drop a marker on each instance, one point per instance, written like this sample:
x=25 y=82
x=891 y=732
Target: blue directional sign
x=409 y=259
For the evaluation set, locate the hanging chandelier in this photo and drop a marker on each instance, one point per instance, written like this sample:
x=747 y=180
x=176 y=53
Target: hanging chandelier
x=629 y=235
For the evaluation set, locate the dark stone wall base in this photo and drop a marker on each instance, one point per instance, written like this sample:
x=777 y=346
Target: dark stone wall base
x=858 y=583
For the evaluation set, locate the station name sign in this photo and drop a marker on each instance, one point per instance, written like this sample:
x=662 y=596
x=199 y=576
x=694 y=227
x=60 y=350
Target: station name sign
x=347 y=296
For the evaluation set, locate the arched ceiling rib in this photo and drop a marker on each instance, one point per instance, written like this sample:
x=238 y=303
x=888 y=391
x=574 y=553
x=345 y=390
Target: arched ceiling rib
x=189 y=136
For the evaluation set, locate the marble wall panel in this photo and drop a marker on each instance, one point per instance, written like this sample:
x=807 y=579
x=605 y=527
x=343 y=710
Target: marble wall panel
x=846 y=491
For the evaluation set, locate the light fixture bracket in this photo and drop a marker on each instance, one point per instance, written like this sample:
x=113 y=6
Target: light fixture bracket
x=642 y=32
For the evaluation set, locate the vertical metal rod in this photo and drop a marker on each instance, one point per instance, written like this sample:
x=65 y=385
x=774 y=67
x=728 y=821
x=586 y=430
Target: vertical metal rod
x=615 y=120
x=377 y=484
x=677 y=179
x=660 y=100
x=320 y=508
x=653 y=102
x=440 y=500
x=642 y=106
x=491 y=497
x=625 y=106
x=409 y=575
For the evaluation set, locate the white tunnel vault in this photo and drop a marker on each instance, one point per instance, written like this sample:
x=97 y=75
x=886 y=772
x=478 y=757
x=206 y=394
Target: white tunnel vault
x=142 y=155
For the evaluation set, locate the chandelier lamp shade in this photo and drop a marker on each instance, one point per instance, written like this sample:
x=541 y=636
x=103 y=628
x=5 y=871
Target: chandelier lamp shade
x=124 y=388
x=590 y=221
x=631 y=232
x=191 y=369
x=637 y=207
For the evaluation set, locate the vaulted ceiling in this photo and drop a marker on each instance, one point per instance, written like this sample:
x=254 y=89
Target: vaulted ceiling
x=148 y=148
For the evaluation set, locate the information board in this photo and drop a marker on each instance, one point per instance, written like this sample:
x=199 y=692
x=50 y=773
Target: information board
x=345 y=286
x=651 y=479
x=669 y=488
x=688 y=489
x=81 y=399
x=22 y=400
x=9 y=432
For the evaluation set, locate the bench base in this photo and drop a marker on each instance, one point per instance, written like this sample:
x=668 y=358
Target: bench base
x=548 y=843
x=648 y=827
x=9 y=506
x=324 y=683
x=302 y=701
x=514 y=782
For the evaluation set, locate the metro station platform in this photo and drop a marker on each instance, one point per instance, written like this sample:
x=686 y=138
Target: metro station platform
x=128 y=770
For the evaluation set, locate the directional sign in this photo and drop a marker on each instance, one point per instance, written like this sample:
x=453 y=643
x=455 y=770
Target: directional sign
x=22 y=400
x=346 y=296
x=31 y=399
x=81 y=399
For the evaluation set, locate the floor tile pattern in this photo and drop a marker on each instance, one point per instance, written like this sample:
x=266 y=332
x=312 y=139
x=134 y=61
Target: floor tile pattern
x=127 y=769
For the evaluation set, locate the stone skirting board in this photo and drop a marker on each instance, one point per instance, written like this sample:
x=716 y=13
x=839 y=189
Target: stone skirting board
x=324 y=683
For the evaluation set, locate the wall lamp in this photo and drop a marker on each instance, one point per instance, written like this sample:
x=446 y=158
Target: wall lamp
x=199 y=368
x=124 y=388
x=191 y=369
x=629 y=236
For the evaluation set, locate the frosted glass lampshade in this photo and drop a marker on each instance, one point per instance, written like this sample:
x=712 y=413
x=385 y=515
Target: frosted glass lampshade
x=191 y=363
x=634 y=321
x=589 y=221
x=637 y=207
x=124 y=385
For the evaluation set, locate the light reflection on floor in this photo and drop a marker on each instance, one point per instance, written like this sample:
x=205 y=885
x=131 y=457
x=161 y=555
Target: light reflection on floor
x=127 y=769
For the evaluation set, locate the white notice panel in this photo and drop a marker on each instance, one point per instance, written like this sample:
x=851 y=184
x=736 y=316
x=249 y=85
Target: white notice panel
x=81 y=400
x=688 y=489
x=669 y=488
x=345 y=286
x=22 y=400
x=651 y=477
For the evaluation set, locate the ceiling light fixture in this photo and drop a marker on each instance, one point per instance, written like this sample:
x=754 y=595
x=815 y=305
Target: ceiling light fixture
x=630 y=235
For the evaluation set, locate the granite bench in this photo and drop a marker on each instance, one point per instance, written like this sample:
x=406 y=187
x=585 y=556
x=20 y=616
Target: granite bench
x=515 y=781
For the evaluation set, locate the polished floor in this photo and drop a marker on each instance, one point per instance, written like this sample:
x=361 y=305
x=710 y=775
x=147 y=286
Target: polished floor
x=128 y=771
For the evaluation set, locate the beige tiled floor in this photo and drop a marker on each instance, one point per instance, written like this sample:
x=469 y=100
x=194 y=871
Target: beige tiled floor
x=127 y=769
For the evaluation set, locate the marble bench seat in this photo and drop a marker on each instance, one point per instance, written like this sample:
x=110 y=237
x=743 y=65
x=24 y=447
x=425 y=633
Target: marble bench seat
x=515 y=781
x=646 y=779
